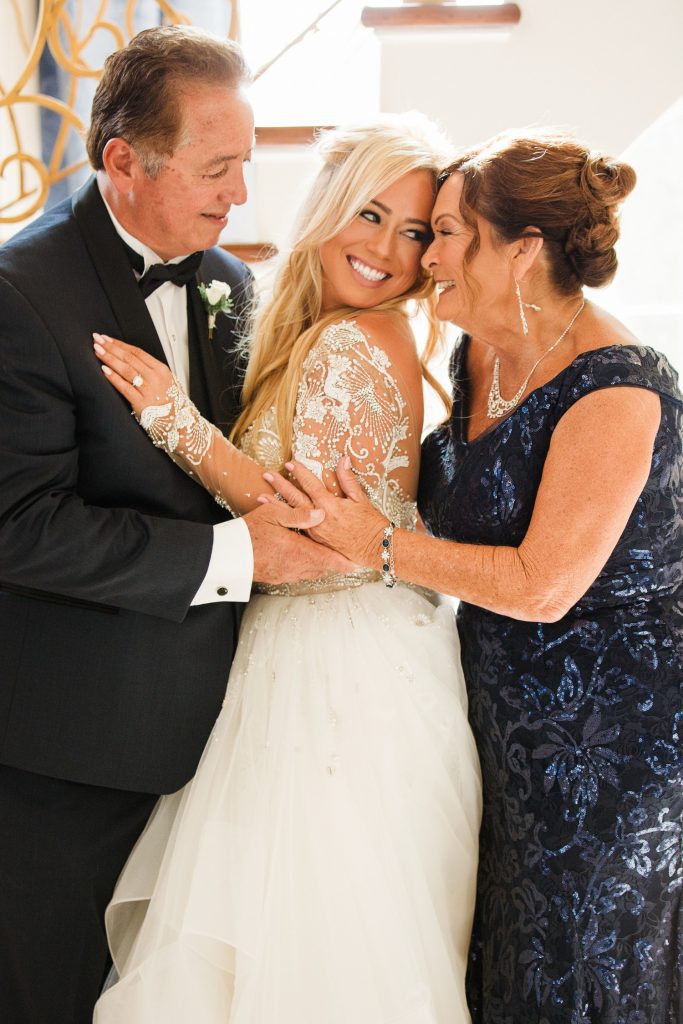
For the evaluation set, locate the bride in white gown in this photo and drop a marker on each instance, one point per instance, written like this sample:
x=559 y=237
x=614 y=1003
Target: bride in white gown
x=320 y=868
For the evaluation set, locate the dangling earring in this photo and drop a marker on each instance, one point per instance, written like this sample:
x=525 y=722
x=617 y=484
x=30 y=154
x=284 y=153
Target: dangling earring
x=522 y=305
x=522 y=315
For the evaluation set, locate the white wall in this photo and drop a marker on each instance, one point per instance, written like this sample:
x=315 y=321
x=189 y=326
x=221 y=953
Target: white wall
x=607 y=68
x=611 y=70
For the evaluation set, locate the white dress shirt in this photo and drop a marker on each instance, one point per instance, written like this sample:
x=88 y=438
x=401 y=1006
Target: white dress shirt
x=231 y=568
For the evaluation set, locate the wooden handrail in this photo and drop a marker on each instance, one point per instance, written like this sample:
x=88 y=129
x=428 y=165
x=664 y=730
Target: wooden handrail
x=288 y=135
x=440 y=16
x=252 y=252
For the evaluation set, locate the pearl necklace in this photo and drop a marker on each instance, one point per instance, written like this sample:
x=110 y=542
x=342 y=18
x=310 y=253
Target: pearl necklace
x=498 y=406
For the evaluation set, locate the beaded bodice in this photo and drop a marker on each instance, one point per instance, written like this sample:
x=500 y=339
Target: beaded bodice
x=349 y=403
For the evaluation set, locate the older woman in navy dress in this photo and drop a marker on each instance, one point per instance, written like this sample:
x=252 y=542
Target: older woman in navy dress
x=556 y=519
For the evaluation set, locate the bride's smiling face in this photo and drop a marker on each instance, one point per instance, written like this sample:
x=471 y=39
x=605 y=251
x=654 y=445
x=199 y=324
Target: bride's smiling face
x=377 y=256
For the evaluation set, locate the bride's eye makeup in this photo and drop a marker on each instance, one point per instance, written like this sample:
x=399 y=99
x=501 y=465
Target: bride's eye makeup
x=421 y=235
x=370 y=215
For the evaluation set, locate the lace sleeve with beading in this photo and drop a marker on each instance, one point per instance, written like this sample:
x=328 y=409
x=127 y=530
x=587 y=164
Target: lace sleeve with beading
x=201 y=451
x=350 y=402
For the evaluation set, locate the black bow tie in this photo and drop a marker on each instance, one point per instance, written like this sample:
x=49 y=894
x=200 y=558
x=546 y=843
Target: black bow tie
x=159 y=273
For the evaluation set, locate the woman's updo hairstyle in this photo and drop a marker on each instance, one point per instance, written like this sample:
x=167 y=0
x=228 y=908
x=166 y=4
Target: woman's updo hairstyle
x=550 y=181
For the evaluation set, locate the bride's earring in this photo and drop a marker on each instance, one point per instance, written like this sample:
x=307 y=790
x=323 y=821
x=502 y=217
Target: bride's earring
x=522 y=306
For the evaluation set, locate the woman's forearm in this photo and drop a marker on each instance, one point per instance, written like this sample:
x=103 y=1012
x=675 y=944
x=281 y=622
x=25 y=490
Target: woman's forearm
x=173 y=422
x=234 y=480
x=504 y=579
x=501 y=579
x=587 y=493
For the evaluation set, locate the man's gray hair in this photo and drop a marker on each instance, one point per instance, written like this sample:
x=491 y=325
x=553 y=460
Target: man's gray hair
x=139 y=97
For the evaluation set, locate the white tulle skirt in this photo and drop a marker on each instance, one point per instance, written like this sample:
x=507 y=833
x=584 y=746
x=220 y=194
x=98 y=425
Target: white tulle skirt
x=320 y=868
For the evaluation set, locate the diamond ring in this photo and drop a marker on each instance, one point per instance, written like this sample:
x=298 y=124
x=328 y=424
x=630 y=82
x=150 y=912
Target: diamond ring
x=137 y=381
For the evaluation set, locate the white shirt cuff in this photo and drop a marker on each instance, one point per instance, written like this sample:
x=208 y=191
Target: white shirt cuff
x=231 y=567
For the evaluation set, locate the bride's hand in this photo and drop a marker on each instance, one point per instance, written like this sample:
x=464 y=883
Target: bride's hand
x=352 y=525
x=138 y=376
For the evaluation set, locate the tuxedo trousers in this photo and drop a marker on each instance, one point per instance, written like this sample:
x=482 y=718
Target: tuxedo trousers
x=62 y=847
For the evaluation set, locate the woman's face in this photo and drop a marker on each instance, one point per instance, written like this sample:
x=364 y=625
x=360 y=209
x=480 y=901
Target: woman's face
x=487 y=290
x=377 y=256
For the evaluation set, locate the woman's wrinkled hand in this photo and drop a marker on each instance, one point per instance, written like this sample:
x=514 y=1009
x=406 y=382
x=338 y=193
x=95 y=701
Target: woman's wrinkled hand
x=138 y=376
x=352 y=525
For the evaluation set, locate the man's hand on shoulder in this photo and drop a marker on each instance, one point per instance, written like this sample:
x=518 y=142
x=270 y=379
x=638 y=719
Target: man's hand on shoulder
x=284 y=556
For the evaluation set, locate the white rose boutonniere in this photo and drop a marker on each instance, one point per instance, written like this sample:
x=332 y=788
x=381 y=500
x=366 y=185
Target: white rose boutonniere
x=216 y=299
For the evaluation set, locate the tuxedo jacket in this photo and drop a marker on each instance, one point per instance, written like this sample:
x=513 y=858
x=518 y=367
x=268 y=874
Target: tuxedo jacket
x=108 y=676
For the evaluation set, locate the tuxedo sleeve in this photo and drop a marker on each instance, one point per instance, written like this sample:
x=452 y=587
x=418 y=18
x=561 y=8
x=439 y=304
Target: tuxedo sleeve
x=51 y=540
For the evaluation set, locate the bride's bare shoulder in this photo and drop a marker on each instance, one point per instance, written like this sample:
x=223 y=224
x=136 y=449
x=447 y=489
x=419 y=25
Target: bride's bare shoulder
x=392 y=332
x=386 y=326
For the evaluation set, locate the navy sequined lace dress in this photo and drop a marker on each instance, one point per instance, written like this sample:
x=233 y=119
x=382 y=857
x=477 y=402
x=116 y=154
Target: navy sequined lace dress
x=578 y=724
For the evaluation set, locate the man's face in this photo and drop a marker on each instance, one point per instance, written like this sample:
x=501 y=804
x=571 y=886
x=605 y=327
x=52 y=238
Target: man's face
x=186 y=206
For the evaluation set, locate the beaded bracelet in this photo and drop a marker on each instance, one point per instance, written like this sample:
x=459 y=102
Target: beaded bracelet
x=387 y=552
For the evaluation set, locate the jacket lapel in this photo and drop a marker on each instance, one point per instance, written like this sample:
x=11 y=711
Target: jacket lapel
x=203 y=374
x=114 y=271
x=212 y=362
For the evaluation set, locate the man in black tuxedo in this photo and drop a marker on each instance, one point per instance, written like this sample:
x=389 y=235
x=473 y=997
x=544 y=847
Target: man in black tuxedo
x=121 y=582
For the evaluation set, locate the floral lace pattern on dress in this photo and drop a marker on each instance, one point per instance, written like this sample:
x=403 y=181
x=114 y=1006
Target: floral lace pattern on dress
x=262 y=442
x=177 y=419
x=349 y=403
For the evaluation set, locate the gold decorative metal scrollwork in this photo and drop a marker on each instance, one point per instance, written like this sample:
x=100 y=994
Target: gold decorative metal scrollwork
x=62 y=26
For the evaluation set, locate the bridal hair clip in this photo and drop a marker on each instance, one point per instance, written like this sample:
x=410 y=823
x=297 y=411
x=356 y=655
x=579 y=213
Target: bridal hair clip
x=387 y=552
x=216 y=299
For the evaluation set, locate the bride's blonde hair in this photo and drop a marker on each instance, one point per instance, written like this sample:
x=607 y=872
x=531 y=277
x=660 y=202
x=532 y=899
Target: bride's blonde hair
x=359 y=162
